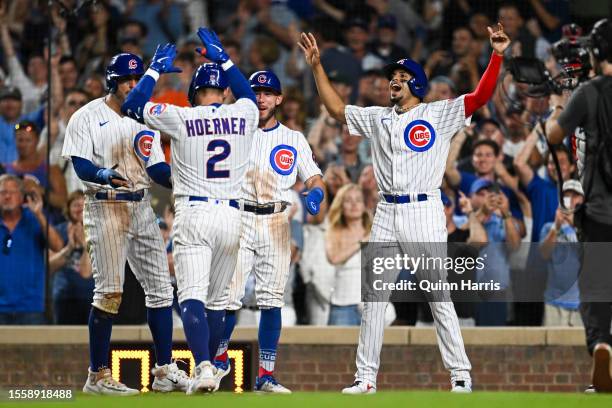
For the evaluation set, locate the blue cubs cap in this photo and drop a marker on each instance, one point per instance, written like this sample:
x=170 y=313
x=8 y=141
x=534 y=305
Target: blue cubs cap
x=479 y=184
x=265 y=80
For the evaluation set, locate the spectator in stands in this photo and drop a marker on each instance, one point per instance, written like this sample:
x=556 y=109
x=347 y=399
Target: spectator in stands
x=492 y=208
x=542 y=191
x=515 y=131
x=322 y=137
x=384 y=45
x=348 y=155
x=95 y=86
x=30 y=163
x=10 y=112
x=440 y=62
x=33 y=85
x=293 y=110
x=369 y=188
x=335 y=57
x=485 y=154
x=75 y=99
x=68 y=73
x=22 y=266
x=472 y=233
x=440 y=88
x=559 y=247
x=479 y=22
x=349 y=226
x=525 y=44
x=356 y=35
x=99 y=38
x=73 y=283
x=410 y=25
x=335 y=177
x=131 y=37
x=552 y=14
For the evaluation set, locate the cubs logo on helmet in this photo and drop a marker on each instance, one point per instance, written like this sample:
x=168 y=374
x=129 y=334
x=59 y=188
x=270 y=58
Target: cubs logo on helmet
x=143 y=143
x=419 y=135
x=265 y=80
x=283 y=159
x=122 y=65
x=157 y=109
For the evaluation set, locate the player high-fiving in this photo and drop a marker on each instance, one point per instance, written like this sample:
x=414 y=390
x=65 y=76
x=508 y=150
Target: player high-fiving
x=210 y=151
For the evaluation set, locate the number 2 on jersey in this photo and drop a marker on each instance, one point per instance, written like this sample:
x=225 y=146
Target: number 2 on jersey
x=211 y=172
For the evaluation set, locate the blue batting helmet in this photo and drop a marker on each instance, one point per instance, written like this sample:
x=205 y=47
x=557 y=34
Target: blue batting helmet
x=418 y=82
x=265 y=80
x=208 y=75
x=122 y=65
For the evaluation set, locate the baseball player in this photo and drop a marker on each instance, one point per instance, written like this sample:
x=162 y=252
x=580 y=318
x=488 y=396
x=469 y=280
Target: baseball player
x=410 y=143
x=116 y=158
x=278 y=157
x=210 y=150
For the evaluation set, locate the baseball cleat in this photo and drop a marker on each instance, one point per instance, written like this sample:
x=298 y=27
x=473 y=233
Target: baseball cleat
x=601 y=368
x=590 y=390
x=169 y=378
x=462 y=387
x=268 y=384
x=103 y=383
x=204 y=379
x=360 y=387
x=223 y=369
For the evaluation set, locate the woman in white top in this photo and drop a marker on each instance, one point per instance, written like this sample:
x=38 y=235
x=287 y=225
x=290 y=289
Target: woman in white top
x=349 y=225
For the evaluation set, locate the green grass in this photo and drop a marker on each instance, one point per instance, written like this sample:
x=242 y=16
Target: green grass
x=404 y=399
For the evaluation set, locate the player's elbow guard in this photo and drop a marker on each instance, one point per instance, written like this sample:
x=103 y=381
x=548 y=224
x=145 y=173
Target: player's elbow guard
x=314 y=199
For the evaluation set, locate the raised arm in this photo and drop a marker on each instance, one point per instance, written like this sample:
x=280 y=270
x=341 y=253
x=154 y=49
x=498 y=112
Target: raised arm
x=453 y=176
x=213 y=50
x=330 y=98
x=521 y=161
x=483 y=92
x=161 y=63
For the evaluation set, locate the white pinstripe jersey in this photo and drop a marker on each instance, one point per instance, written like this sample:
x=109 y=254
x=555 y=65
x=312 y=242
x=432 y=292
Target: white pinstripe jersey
x=409 y=151
x=97 y=133
x=210 y=145
x=278 y=157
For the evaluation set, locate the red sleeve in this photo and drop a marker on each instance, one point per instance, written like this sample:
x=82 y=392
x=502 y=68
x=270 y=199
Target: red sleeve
x=475 y=100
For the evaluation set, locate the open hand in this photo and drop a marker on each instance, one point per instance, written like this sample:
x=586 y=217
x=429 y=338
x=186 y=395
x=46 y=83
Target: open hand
x=164 y=58
x=213 y=49
x=308 y=44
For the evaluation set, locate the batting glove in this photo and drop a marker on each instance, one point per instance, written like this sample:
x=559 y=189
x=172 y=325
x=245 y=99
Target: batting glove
x=213 y=48
x=164 y=58
x=313 y=200
x=108 y=175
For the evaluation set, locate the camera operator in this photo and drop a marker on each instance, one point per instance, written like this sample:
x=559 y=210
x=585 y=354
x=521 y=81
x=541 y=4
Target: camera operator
x=590 y=109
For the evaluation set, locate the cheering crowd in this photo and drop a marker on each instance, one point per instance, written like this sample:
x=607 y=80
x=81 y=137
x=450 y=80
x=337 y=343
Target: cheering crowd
x=500 y=189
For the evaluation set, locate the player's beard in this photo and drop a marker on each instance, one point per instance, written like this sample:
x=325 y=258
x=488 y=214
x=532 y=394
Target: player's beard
x=395 y=100
x=264 y=120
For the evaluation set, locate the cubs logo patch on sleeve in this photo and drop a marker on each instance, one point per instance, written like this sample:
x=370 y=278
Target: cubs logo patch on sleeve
x=419 y=135
x=157 y=109
x=143 y=143
x=283 y=159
